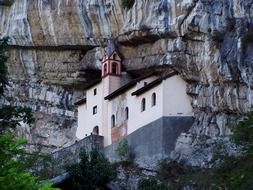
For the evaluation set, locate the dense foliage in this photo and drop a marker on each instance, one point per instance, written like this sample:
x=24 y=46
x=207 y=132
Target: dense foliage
x=236 y=172
x=123 y=150
x=243 y=133
x=125 y=154
x=127 y=4
x=93 y=171
x=13 y=172
x=152 y=184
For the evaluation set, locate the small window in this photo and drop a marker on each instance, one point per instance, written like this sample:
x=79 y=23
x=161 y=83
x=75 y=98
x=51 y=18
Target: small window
x=126 y=113
x=114 y=56
x=145 y=83
x=95 y=92
x=105 y=69
x=113 y=120
x=153 y=101
x=114 y=68
x=95 y=110
x=143 y=104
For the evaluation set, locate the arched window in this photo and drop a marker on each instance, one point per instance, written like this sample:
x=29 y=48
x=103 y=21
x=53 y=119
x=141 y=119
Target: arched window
x=153 y=99
x=95 y=130
x=143 y=104
x=105 y=69
x=126 y=113
x=114 y=68
x=113 y=120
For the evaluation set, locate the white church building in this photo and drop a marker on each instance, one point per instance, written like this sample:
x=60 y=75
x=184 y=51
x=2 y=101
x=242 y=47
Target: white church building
x=117 y=104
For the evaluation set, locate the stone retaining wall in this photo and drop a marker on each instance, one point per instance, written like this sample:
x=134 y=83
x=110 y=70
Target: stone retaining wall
x=154 y=141
x=70 y=154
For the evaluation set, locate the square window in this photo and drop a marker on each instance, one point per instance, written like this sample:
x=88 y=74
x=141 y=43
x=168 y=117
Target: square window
x=95 y=110
x=95 y=92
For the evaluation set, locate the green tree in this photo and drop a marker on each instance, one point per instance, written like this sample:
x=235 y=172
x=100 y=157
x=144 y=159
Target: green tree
x=93 y=171
x=236 y=172
x=243 y=133
x=13 y=173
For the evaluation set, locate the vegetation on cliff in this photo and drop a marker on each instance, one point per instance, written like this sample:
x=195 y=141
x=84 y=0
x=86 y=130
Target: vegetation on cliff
x=226 y=171
x=127 y=4
x=93 y=172
x=236 y=172
x=14 y=174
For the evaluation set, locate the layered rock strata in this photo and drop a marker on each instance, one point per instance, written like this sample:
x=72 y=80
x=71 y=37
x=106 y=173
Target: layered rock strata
x=54 y=42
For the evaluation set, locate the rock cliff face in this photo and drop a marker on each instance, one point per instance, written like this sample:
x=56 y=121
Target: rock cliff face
x=56 y=46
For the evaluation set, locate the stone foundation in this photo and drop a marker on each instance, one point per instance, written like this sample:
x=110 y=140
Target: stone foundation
x=154 y=141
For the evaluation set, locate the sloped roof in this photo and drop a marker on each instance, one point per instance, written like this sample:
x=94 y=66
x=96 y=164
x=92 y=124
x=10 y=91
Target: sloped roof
x=152 y=84
x=128 y=86
x=80 y=102
x=93 y=83
x=111 y=47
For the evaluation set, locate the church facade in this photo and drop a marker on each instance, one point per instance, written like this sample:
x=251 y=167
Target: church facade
x=117 y=104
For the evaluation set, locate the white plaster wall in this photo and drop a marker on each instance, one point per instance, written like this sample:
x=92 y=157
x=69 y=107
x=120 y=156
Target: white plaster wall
x=171 y=100
x=81 y=121
x=109 y=84
x=94 y=100
x=138 y=118
x=86 y=120
x=176 y=101
x=117 y=107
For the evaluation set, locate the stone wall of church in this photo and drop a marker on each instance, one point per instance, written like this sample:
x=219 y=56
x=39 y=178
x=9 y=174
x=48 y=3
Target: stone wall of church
x=154 y=141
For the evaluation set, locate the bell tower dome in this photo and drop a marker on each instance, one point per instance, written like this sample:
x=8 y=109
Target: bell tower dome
x=111 y=61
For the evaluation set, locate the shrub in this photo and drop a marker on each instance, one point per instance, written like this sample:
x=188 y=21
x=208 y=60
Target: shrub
x=243 y=133
x=152 y=184
x=93 y=171
x=125 y=153
x=13 y=173
x=169 y=170
x=123 y=150
x=40 y=164
x=236 y=172
x=127 y=4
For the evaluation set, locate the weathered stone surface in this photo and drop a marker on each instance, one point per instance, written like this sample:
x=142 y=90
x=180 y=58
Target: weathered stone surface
x=55 y=41
x=152 y=142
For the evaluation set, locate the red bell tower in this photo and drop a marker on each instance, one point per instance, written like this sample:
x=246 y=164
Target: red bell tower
x=111 y=81
x=111 y=62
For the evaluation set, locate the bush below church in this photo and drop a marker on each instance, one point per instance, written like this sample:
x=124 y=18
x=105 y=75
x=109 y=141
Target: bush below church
x=93 y=172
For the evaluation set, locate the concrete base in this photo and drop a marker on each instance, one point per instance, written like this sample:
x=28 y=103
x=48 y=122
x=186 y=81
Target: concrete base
x=154 y=141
